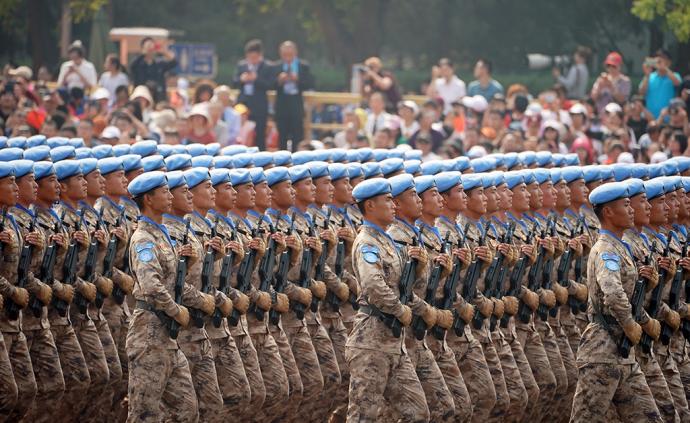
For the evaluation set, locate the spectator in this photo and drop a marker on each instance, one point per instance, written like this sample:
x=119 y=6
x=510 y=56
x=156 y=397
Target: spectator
x=121 y=97
x=376 y=79
x=678 y=145
x=637 y=117
x=230 y=116
x=200 y=130
x=446 y=85
x=142 y=96
x=383 y=138
x=113 y=77
x=247 y=127
x=85 y=131
x=293 y=77
x=8 y=104
x=77 y=72
x=203 y=92
x=377 y=118
x=254 y=77
x=179 y=97
x=220 y=128
x=676 y=116
x=577 y=79
x=659 y=83
x=408 y=110
x=345 y=138
x=111 y=135
x=49 y=128
x=423 y=143
x=427 y=132
x=484 y=85
x=150 y=66
x=611 y=86
x=361 y=141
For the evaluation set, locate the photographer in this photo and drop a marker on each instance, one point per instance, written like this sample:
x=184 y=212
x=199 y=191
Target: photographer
x=375 y=79
x=611 y=86
x=577 y=79
x=149 y=68
x=77 y=72
x=660 y=82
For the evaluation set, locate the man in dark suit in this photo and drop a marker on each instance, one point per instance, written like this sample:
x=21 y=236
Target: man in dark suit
x=293 y=77
x=253 y=78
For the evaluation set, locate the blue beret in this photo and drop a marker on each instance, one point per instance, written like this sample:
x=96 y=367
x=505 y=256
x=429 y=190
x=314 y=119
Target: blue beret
x=683 y=163
x=498 y=158
x=396 y=153
x=487 y=180
x=528 y=176
x=463 y=163
x=258 y=175
x=282 y=158
x=621 y=171
x=558 y=159
x=22 y=167
x=510 y=160
x=542 y=175
x=231 y=150
x=371 y=170
x=242 y=160
x=175 y=179
x=298 y=173
x=252 y=150
x=60 y=153
x=392 y=165
x=447 y=180
x=499 y=177
x=572 y=159
x=203 y=160
x=448 y=165
x=337 y=171
x=144 y=148
x=276 y=175
x=179 y=149
x=146 y=182
x=413 y=155
x=365 y=154
x=131 y=162
x=514 y=179
x=88 y=165
x=302 y=157
x=352 y=155
x=83 y=153
x=609 y=192
x=11 y=153
x=67 y=168
x=112 y=164
x=655 y=170
x=483 y=164
x=3 y=141
x=338 y=155
x=219 y=176
x=528 y=158
x=424 y=183
x=38 y=153
x=591 y=173
x=222 y=162
x=17 y=142
x=685 y=180
x=154 y=162
x=263 y=158
x=556 y=175
x=43 y=169
x=213 y=148
x=318 y=169
x=323 y=155
x=672 y=183
x=195 y=149
x=380 y=154
x=635 y=186
x=371 y=188
x=196 y=175
x=164 y=149
x=543 y=158
x=670 y=168
x=605 y=172
x=431 y=168
x=654 y=188
x=120 y=150
x=572 y=173
x=57 y=141
x=102 y=151
x=354 y=170
x=401 y=183
x=178 y=161
x=413 y=166
x=35 y=141
x=471 y=181
x=76 y=142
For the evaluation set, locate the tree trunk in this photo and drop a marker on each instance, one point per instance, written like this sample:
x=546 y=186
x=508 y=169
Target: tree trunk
x=65 y=28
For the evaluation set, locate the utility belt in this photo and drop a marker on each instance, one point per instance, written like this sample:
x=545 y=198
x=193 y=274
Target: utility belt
x=143 y=305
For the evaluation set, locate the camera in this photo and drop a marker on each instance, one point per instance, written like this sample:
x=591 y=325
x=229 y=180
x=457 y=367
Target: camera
x=361 y=68
x=538 y=61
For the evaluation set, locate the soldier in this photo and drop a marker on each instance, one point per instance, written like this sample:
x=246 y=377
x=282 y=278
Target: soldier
x=380 y=367
x=605 y=377
x=158 y=370
x=194 y=340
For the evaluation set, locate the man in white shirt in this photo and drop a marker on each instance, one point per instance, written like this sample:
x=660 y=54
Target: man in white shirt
x=377 y=118
x=77 y=72
x=446 y=85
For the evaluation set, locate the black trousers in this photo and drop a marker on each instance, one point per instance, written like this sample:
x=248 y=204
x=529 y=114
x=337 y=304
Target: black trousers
x=290 y=121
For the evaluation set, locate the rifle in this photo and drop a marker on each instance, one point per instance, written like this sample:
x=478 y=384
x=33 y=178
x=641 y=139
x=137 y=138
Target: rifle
x=524 y=312
x=674 y=301
x=517 y=274
x=206 y=285
x=321 y=264
x=685 y=324
x=637 y=305
x=244 y=275
x=546 y=280
x=577 y=270
x=655 y=301
x=450 y=289
x=69 y=270
x=90 y=267
x=46 y=270
x=419 y=327
x=108 y=262
x=471 y=277
x=304 y=274
x=281 y=276
x=339 y=268
x=562 y=275
x=501 y=275
x=266 y=267
x=180 y=275
x=11 y=308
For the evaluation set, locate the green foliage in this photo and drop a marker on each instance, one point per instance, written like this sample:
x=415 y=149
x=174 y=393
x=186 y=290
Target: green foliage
x=85 y=9
x=674 y=13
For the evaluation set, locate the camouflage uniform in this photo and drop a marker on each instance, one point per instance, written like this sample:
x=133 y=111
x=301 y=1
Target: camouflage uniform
x=592 y=227
x=380 y=367
x=8 y=387
x=604 y=377
x=160 y=382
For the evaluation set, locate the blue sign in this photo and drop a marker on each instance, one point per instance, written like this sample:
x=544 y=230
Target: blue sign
x=196 y=60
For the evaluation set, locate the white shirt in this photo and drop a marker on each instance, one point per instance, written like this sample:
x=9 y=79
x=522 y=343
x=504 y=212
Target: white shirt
x=450 y=91
x=72 y=80
x=110 y=82
x=376 y=122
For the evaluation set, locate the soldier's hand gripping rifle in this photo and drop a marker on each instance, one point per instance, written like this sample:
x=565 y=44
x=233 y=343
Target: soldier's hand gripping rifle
x=180 y=276
x=266 y=267
x=471 y=277
x=45 y=274
x=244 y=276
x=108 y=262
x=674 y=301
x=546 y=279
x=69 y=270
x=637 y=305
x=90 y=265
x=524 y=312
x=281 y=276
x=304 y=273
x=320 y=270
x=206 y=283
x=501 y=274
x=656 y=299
x=419 y=327
x=518 y=274
x=11 y=308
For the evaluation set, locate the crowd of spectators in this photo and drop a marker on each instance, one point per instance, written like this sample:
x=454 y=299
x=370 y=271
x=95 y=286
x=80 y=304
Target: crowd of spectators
x=607 y=121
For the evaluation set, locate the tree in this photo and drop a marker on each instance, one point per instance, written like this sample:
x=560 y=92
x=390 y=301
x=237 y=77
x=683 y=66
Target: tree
x=674 y=13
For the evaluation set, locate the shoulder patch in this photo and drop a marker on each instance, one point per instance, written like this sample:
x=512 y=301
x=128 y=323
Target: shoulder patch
x=611 y=261
x=145 y=251
x=610 y=257
x=144 y=246
x=370 y=253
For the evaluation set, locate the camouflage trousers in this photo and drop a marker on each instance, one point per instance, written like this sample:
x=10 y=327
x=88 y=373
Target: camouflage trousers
x=475 y=371
x=657 y=385
x=96 y=362
x=308 y=364
x=517 y=392
x=680 y=351
x=255 y=387
x=548 y=338
x=74 y=371
x=570 y=368
x=674 y=381
x=600 y=385
x=274 y=377
x=160 y=386
x=574 y=334
x=202 y=366
x=338 y=332
x=494 y=362
x=328 y=363
x=377 y=377
x=539 y=364
x=18 y=352
x=445 y=359
x=118 y=322
x=45 y=360
x=8 y=388
x=292 y=371
x=103 y=411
